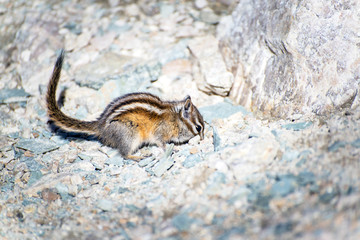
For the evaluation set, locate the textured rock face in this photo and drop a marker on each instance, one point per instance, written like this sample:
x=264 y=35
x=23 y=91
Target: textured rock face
x=209 y=69
x=292 y=57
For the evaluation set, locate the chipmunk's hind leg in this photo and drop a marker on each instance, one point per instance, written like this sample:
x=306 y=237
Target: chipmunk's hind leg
x=117 y=135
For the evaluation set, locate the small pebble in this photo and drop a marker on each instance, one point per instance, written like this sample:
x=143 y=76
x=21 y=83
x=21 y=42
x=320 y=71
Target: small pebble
x=49 y=195
x=191 y=160
x=182 y=222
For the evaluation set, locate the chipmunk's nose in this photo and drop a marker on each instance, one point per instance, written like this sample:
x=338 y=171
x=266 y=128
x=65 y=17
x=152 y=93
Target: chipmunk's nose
x=201 y=134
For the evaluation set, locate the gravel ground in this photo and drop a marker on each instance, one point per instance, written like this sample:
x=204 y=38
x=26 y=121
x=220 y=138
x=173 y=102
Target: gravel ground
x=250 y=178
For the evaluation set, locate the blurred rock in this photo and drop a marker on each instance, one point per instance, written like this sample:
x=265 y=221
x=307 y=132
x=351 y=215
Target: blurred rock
x=290 y=58
x=283 y=228
x=209 y=69
x=208 y=16
x=191 y=160
x=162 y=166
x=13 y=95
x=200 y=4
x=182 y=222
x=37 y=146
x=31 y=163
x=116 y=161
x=221 y=110
x=105 y=205
x=49 y=195
x=337 y=145
x=283 y=187
x=165 y=163
x=304 y=178
x=106 y=66
x=35 y=176
x=297 y=126
x=216 y=139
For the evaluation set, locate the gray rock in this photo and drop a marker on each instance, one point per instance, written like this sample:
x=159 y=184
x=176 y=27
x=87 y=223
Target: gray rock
x=289 y=155
x=107 y=65
x=337 y=145
x=31 y=164
x=117 y=160
x=199 y=4
x=92 y=178
x=34 y=177
x=163 y=165
x=37 y=146
x=215 y=183
x=30 y=200
x=63 y=190
x=13 y=95
x=182 y=222
x=356 y=143
x=146 y=161
x=304 y=178
x=191 y=160
x=208 y=16
x=260 y=200
x=123 y=190
x=279 y=54
x=209 y=69
x=239 y=194
x=59 y=140
x=216 y=139
x=233 y=233
x=114 y=170
x=14 y=135
x=81 y=112
x=283 y=228
x=178 y=51
x=85 y=157
x=303 y=156
x=46 y=134
x=113 y=27
x=166 y=10
x=217 y=178
x=328 y=196
x=73 y=27
x=220 y=111
x=8 y=183
x=105 y=205
x=297 y=126
x=314 y=189
x=283 y=187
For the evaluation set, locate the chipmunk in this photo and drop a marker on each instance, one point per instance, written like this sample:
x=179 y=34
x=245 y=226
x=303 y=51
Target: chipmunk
x=132 y=120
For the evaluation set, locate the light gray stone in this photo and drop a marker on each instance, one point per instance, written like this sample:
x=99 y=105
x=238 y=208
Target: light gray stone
x=37 y=146
x=209 y=69
x=191 y=160
x=105 y=205
x=221 y=110
x=291 y=57
x=165 y=163
x=297 y=126
x=13 y=95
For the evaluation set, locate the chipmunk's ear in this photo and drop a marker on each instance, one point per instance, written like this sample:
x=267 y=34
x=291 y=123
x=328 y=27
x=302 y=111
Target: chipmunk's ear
x=188 y=103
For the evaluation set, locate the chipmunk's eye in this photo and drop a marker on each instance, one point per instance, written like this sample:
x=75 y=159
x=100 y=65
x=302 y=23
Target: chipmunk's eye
x=198 y=128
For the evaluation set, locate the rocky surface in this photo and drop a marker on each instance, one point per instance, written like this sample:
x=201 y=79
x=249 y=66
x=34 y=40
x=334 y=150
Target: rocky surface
x=250 y=178
x=291 y=57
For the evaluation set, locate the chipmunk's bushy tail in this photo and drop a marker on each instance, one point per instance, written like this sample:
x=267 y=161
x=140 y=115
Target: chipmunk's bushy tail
x=56 y=115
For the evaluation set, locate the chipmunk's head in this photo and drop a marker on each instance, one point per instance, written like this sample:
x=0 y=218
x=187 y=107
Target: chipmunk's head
x=193 y=121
